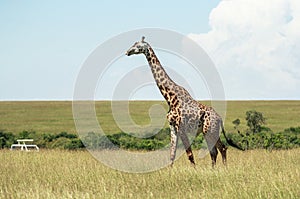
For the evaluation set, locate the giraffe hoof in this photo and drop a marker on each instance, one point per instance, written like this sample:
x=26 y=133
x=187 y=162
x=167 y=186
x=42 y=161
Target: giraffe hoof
x=171 y=165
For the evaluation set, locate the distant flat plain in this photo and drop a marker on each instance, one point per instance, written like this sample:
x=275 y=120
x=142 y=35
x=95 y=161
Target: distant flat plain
x=56 y=116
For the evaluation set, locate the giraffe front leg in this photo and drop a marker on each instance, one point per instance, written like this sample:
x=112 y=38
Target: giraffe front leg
x=187 y=147
x=174 y=141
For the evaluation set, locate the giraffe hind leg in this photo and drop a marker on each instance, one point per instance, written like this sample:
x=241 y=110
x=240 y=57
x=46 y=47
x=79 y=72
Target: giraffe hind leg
x=213 y=154
x=211 y=141
x=223 y=150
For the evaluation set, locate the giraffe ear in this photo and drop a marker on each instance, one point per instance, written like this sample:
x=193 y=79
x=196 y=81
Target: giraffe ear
x=143 y=38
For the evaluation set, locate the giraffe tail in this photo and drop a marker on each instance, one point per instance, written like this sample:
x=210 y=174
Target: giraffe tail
x=228 y=140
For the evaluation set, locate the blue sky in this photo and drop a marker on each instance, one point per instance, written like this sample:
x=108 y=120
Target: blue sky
x=44 y=44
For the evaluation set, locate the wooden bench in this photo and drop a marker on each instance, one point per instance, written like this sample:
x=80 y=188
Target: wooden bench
x=22 y=144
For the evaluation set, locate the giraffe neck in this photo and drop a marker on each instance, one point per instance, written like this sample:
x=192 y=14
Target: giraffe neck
x=162 y=79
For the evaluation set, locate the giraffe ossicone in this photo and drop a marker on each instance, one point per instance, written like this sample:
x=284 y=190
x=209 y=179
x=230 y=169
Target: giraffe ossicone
x=185 y=115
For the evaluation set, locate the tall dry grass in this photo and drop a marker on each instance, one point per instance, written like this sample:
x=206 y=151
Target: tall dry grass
x=65 y=174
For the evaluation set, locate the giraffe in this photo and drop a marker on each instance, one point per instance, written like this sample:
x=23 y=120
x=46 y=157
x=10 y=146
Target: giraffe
x=185 y=114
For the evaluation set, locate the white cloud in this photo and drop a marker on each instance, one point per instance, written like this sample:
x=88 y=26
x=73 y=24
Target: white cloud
x=256 y=47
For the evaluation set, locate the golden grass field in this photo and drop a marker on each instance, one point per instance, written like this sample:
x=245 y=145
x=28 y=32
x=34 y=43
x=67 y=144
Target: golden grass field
x=76 y=174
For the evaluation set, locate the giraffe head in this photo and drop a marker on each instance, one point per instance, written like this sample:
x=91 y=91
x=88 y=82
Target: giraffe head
x=138 y=47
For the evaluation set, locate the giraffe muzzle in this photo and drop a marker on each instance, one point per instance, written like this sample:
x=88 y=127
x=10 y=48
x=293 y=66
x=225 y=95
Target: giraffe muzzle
x=128 y=53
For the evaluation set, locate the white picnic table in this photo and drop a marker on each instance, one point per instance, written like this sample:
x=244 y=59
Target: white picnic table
x=23 y=145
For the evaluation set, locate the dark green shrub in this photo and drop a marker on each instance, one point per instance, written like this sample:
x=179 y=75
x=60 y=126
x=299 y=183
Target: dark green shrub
x=198 y=142
x=59 y=143
x=6 y=139
x=74 y=144
x=255 y=120
x=66 y=135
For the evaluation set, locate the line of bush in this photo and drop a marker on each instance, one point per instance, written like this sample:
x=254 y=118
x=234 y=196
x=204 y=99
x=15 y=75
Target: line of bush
x=61 y=140
x=289 y=138
x=265 y=139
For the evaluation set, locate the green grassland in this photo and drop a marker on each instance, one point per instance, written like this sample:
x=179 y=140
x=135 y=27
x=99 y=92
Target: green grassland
x=75 y=174
x=56 y=116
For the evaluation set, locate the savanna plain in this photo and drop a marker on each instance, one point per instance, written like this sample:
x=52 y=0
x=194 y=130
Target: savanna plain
x=76 y=174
